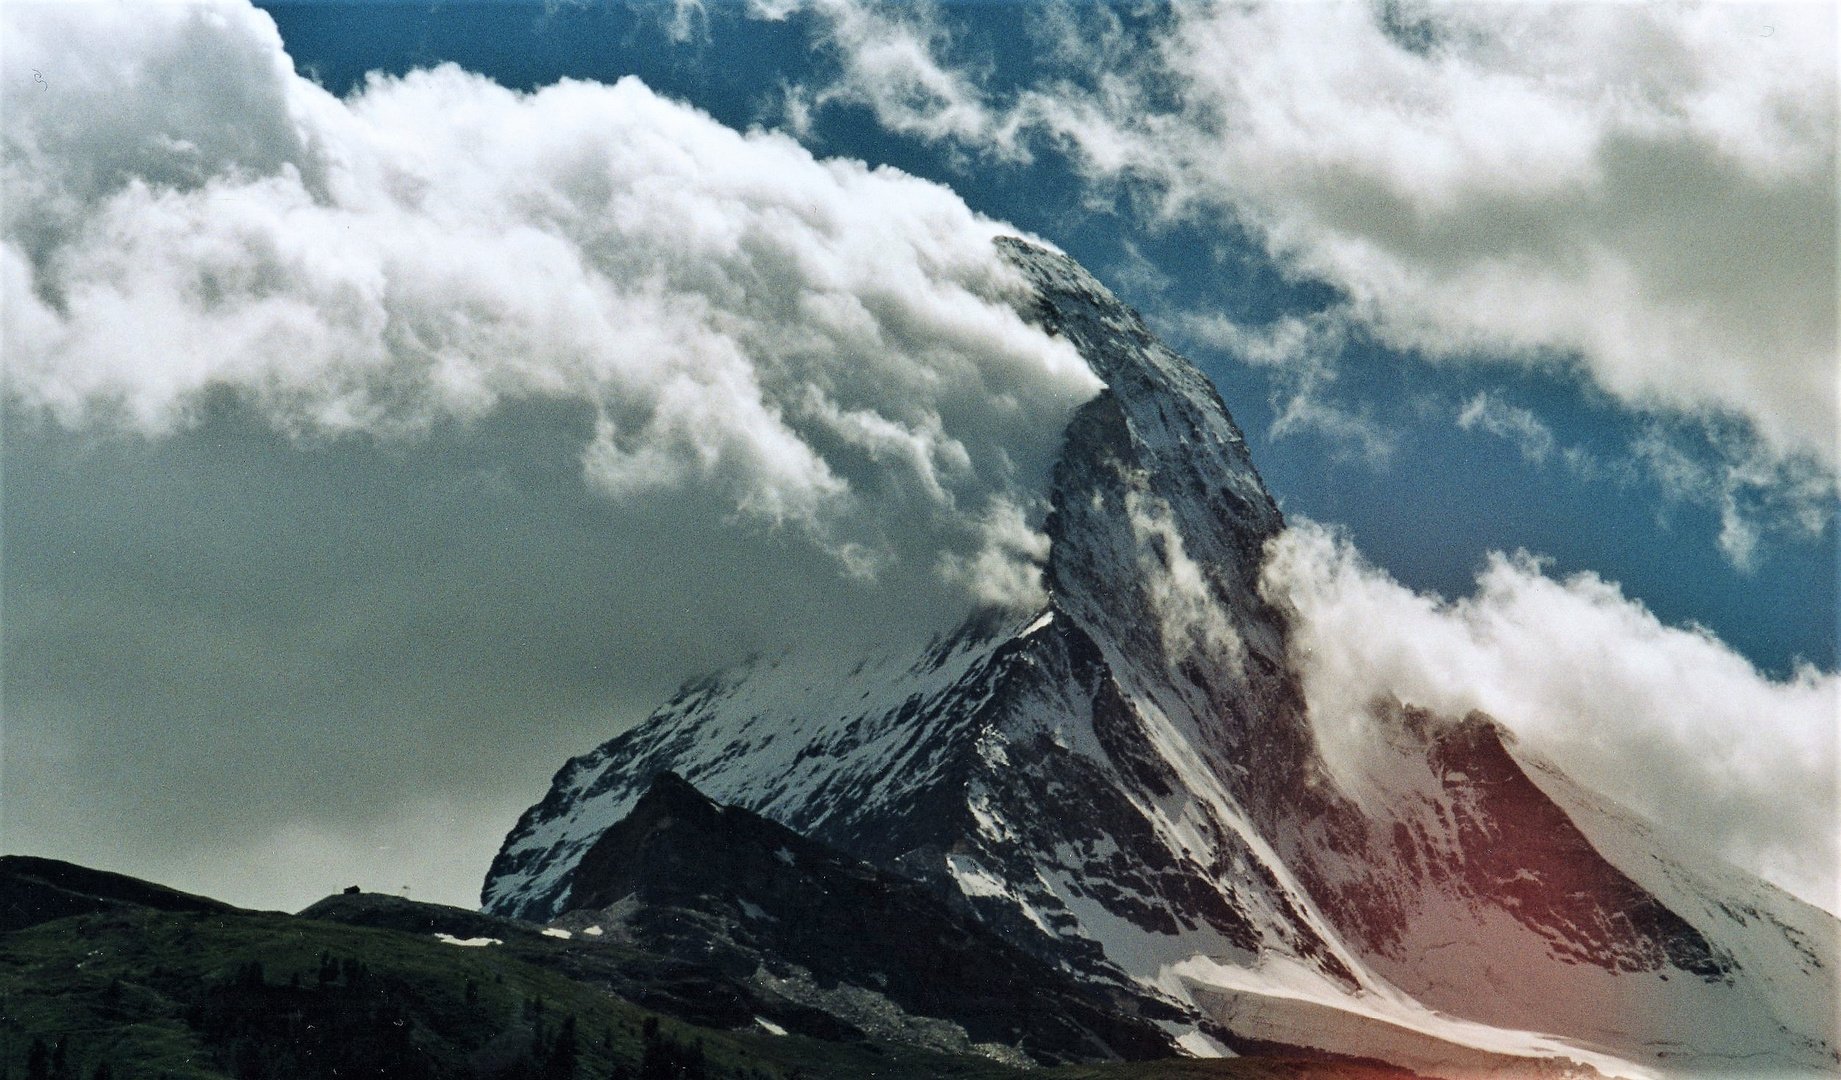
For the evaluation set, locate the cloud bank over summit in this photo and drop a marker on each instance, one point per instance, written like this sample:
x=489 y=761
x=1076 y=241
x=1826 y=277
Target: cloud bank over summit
x=829 y=346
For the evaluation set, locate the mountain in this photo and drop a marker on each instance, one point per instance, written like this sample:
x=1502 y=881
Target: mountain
x=1127 y=783
x=720 y=886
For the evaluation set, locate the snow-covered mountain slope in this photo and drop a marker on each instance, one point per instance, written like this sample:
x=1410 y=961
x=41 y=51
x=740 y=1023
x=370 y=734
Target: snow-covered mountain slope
x=1784 y=948
x=1128 y=782
x=1512 y=895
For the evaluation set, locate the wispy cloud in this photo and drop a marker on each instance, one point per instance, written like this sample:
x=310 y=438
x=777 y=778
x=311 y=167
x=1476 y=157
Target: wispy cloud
x=1302 y=358
x=1667 y=719
x=893 y=62
x=1754 y=493
x=1487 y=412
x=1643 y=193
x=1527 y=431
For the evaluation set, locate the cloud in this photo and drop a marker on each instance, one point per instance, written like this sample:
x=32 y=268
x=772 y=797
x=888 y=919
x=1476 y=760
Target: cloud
x=893 y=62
x=434 y=850
x=368 y=456
x=1664 y=210
x=1645 y=193
x=1669 y=720
x=1528 y=432
x=1754 y=492
x=1191 y=622
x=829 y=345
x=224 y=638
x=1301 y=353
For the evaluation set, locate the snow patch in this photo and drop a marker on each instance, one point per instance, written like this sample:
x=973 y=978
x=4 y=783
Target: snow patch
x=472 y=942
x=551 y=931
x=989 y=823
x=1282 y=999
x=973 y=879
x=1196 y=1044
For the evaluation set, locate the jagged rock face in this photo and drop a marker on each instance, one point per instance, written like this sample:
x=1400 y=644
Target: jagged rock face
x=685 y=877
x=1543 y=870
x=1128 y=783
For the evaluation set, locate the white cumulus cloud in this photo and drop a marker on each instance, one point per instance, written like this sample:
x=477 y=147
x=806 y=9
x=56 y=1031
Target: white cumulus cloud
x=1651 y=189
x=1667 y=719
x=1641 y=193
x=831 y=346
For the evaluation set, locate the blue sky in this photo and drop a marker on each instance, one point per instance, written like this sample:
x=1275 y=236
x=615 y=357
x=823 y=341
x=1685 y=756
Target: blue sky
x=275 y=601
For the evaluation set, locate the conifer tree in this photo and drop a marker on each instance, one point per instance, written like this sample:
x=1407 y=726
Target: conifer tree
x=559 y=1062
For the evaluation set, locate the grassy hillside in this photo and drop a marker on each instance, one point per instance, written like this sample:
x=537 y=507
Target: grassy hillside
x=138 y=993
x=150 y=994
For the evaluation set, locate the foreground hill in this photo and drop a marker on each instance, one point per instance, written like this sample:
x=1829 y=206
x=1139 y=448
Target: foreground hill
x=369 y=985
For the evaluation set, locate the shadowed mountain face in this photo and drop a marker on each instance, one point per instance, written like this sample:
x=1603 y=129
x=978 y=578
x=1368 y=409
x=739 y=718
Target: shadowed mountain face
x=1543 y=871
x=1128 y=783
x=685 y=877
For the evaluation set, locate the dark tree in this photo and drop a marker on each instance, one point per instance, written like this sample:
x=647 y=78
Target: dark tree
x=559 y=1060
x=38 y=1061
x=361 y=1028
x=246 y=1060
x=667 y=1059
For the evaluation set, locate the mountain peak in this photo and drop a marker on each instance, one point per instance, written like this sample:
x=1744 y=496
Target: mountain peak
x=1129 y=786
x=670 y=795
